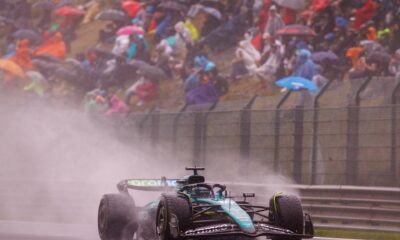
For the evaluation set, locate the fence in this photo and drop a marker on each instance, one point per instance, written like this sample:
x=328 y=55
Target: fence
x=355 y=143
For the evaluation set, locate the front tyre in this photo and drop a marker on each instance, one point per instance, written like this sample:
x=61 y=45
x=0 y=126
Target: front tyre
x=286 y=212
x=117 y=217
x=173 y=217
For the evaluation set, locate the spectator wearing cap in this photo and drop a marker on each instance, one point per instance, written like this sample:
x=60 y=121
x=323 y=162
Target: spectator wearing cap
x=268 y=69
x=275 y=22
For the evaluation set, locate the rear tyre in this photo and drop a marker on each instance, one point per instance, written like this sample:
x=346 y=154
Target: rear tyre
x=286 y=212
x=172 y=207
x=117 y=218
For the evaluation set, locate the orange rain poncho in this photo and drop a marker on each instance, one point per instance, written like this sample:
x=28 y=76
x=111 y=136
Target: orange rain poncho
x=354 y=54
x=55 y=46
x=23 y=55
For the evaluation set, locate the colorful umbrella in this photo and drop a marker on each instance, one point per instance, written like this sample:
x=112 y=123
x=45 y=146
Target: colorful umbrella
x=44 y=4
x=112 y=15
x=322 y=56
x=12 y=67
x=149 y=71
x=370 y=45
x=297 y=83
x=296 y=30
x=379 y=57
x=172 y=5
x=47 y=58
x=292 y=4
x=63 y=3
x=69 y=11
x=28 y=34
x=128 y=30
x=131 y=7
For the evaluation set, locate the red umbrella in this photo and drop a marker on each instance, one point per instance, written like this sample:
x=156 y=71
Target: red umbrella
x=131 y=7
x=296 y=30
x=69 y=11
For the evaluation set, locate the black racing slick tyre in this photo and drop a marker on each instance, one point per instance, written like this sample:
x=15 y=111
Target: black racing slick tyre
x=286 y=212
x=173 y=216
x=117 y=217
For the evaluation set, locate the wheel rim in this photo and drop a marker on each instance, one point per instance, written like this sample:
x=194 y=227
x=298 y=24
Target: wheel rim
x=161 y=221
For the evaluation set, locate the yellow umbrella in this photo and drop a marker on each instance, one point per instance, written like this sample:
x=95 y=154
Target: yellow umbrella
x=12 y=67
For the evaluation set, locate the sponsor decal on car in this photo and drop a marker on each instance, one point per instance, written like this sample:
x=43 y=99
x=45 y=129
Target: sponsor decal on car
x=152 y=182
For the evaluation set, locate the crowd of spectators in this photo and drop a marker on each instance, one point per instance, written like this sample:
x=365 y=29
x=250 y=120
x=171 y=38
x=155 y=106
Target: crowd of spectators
x=146 y=42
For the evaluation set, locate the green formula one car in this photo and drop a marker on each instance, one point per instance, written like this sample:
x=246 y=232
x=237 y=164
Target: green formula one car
x=189 y=208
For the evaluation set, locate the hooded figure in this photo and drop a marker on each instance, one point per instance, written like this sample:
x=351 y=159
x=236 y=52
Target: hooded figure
x=205 y=93
x=248 y=54
x=117 y=106
x=23 y=55
x=183 y=40
x=305 y=67
x=54 y=46
x=275 y=22
x=121 y=45
x=364 y=14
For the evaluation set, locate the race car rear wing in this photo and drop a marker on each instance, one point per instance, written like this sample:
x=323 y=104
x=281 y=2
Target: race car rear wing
x=157 y=185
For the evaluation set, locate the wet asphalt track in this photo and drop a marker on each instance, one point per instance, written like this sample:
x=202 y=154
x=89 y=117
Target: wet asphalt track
x=53 y=231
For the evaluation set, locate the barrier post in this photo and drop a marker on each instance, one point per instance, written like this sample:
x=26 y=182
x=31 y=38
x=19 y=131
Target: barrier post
x=277 y=130
x=245 y=129
x=315 y=132
x=203 y=143
x=298 y=143
x=353 y=113
x=175 y=125
x=394 y=164
x=155 y=127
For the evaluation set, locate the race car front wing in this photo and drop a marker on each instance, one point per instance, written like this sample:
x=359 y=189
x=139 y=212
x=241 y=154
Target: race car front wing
x=220 y=230
x=262 y=229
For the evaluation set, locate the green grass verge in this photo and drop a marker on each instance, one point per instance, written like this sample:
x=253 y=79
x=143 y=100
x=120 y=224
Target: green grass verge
x=357 y=234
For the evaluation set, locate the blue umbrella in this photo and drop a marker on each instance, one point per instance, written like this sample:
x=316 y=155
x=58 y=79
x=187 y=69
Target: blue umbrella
x=297 y=83
x=322 y=56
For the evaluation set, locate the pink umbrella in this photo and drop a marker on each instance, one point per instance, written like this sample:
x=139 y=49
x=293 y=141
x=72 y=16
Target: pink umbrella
x=128 y=30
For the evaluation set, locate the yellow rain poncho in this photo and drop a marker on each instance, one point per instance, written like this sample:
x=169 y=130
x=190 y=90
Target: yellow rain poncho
x=193 y=30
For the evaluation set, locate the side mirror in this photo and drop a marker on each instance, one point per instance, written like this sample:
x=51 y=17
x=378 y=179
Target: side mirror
x=248 y=195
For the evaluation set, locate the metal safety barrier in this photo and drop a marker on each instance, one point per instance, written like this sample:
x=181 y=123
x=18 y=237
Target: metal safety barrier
x=336 y=207
x=342 y=207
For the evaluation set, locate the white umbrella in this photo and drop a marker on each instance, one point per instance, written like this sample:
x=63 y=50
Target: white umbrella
x=292 y=4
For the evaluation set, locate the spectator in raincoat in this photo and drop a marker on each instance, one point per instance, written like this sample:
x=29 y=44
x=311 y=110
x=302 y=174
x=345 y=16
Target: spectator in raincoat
x=121 y=45
x=266 y=72
x=194 y=33
x=201 y=65
x=183 y=41
x=117 y=106
x=247 y=57
x=305 y=67
x=204 y=93
x=164 y=52
x=138 y=48
x=23 y=55
x=54 y=46
x=364 y=13
x=275 y=22
x=144 y=89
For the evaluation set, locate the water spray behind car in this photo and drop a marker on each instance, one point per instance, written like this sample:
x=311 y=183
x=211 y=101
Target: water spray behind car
x=68 y=160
